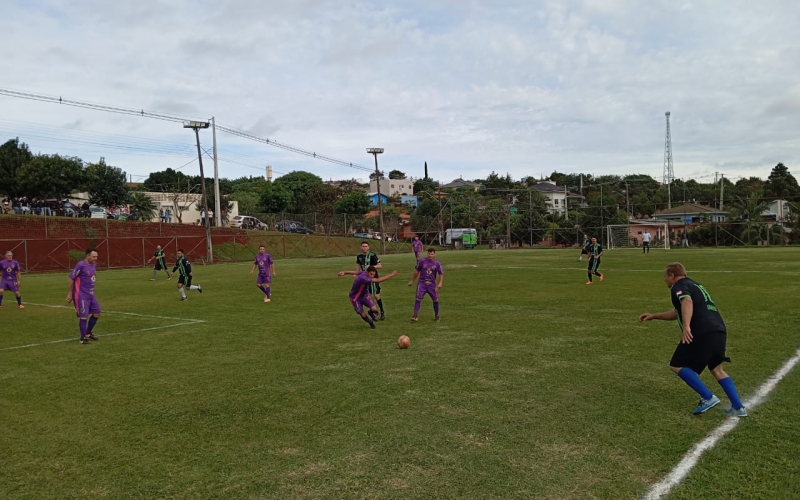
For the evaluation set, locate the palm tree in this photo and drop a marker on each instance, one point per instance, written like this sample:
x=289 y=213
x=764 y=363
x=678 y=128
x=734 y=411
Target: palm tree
x=143 y=205
x=751 y=209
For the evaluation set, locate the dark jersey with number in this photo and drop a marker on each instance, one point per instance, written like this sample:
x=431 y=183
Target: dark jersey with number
x=364 y=260
x=594 y=249
x=182 y=265
x=159 y=255
x=705 y=316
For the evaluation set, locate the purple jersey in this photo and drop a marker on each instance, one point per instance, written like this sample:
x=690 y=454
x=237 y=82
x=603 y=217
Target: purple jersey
x=263 y=262
x=84 y=276
x=10 y=268
x=428 y=271
x=417 y=246
x=360 y=286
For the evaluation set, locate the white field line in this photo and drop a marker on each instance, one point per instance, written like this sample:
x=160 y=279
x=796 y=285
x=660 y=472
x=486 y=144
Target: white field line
x=687 y=463
x=660 y=271
x=184 y=322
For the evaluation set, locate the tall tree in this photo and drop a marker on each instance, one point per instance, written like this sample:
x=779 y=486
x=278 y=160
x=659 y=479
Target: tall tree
x=276 y=198
x=248 y=201
x=13 y=154
x=106 y=185
x=781 y=183
x=51 y=176
x=396 y=174
x=374 y=175
x=143 y=206
x=299 y=184
x=354 y=202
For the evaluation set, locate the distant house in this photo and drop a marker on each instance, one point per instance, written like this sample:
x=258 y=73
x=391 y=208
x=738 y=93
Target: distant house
x=778 y=211
x=392 y=187
x=461 y=183
x=409 y=200
x=373 y=198
x=557 y=196
x=692 y=213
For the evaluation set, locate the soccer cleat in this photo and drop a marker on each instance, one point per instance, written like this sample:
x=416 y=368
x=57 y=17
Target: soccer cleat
x=436 y=318
x=601 y=278
x=169 y=278
x=184 y=298
x=383 y=316
x=152 y=279
x=1 y=306
x=21 y=306
x=588 y=282
x=737 y=412
x=85 y=341
x=266 y=299
x=91 y=336
x=414 y=319
x=706 y=404
x=199 y=289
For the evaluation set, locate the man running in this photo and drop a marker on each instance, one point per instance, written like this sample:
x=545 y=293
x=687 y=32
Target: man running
x=360 y=293
x=266 y=270
x=584 y=247
x=81 y=292
x=595 y=251
x=427 y=270
x=416 y=245
x=364 y=260
x=12 y=274
x=185 y=279
x=161 y=263
x=703 y=341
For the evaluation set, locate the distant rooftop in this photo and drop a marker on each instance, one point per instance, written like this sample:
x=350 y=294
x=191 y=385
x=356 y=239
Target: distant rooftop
x=691 y=208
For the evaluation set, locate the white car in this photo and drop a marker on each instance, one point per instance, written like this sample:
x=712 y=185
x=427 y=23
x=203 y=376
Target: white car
x=248 y=222
x=97 y=212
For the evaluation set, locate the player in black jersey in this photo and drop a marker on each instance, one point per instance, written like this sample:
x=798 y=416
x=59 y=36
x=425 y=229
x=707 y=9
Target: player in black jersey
x=703 y=342
x=595 y=251
x=364 y=260
x=161 y=263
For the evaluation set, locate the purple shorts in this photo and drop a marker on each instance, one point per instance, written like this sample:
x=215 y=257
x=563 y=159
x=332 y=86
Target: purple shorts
x=86 y=305
x=263 y=279
x=7 y=284
x=360 y=302
x=429 y=289
x=416 y=254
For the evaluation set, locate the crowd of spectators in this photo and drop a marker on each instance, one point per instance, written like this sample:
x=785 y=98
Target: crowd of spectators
x=39 y=206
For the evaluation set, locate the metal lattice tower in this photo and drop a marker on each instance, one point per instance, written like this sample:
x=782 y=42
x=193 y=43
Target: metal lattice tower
x=669 y=174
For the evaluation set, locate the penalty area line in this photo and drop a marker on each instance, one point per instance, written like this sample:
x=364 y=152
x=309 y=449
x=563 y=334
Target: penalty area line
x=687 y=463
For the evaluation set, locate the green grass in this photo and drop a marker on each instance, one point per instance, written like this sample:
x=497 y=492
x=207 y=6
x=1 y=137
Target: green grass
x=533 y=385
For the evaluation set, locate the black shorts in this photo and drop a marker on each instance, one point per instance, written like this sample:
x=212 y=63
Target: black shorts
x=160 y=264
x=706 y=350
x=185 y=280
x=584 y=252
x=594 y=263
x=646 y=244
x=375 y=288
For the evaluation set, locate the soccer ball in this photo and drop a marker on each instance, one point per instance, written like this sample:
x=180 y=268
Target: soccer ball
x=403 y=342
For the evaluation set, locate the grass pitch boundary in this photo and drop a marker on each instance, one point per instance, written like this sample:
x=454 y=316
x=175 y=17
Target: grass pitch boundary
x=551 y=268
x=688 y=462
x=183 y=322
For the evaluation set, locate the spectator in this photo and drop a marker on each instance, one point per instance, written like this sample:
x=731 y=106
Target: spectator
x=15 y=204
x=25 y=205
x=6 y=204
x=210 y=218
x=161 y=215
x=86 y=209
x=168 y=215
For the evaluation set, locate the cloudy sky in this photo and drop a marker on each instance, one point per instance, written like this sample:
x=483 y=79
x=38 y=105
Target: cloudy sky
x=524 y=87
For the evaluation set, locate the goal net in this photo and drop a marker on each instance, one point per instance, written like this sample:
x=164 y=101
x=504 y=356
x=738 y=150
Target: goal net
x=632 y=235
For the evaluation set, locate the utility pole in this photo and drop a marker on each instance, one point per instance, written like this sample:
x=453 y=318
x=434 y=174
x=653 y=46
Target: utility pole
x=602 y=226
x=628 y=201
x=441 y=225
x=196 y=126
x=217 y=211
x=669 y=174
x=375 y=152
x=508 y=222
x=722 y=194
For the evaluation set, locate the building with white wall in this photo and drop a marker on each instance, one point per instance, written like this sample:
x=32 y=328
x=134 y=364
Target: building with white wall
x=393 y=187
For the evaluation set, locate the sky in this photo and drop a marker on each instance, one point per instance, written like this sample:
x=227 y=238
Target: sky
x=518 y=87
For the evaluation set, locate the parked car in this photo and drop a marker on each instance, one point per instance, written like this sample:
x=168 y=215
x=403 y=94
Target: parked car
x=248 y=222
x=97 y=213
x=291 y=226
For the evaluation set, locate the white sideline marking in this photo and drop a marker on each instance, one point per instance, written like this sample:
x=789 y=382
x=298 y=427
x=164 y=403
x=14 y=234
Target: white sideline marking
x=185 y=322
x=687 y=463
x=549 y=268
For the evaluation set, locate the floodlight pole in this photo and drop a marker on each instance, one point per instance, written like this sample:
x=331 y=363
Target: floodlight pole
x=217 y=202
x=375 y=152
x=196 y=126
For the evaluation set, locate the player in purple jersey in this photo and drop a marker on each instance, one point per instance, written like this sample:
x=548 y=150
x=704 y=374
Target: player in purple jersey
x=360 y=295
x=266 y=270
x=81 y=291
x=416 y=245
x=11 y=278
x=427 y=270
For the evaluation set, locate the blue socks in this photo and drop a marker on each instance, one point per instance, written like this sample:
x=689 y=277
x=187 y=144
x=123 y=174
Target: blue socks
x=730 y=390
x=693 y=380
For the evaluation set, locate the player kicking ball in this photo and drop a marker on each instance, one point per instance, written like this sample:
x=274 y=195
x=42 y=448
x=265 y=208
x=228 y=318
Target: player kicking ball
x=185 y=279
x=703 y=342
x=360 y=295
x=427 y=270
x=266 y=270
x=161 y=263
x=595 y=251
x=12 y=274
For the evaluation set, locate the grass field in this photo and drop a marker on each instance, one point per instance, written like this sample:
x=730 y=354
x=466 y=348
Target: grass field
x=533 y=385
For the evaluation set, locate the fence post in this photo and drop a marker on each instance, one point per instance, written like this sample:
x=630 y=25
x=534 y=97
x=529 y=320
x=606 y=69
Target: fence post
x=283 y=237
x=144 y=262
x=26 y=256
x=234 y=248
x=108 y=250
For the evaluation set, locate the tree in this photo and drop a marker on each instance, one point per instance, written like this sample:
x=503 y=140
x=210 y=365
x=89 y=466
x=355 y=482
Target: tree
x=163 y=181
x=373 y=175
x=396 y=174
x=106 y=185
x=354 y=202
x=426 y=184
x=13 y=154
x=276 y=198
x=51 y=176
x=248 y=201
x=495 y=182
x=781 y=183
x=142 y=205
x=299 y=184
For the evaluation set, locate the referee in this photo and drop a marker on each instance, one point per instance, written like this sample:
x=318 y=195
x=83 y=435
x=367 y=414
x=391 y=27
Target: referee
x=703 y=342
x=161 y=263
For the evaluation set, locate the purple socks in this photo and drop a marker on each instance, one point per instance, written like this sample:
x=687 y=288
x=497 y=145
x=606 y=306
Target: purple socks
x=416 y=307
x=92 y=322
x=436 y=307
x=82 y=322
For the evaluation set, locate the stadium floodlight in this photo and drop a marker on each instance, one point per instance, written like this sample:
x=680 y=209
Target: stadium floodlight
x=375 y=152
x=195 y=124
